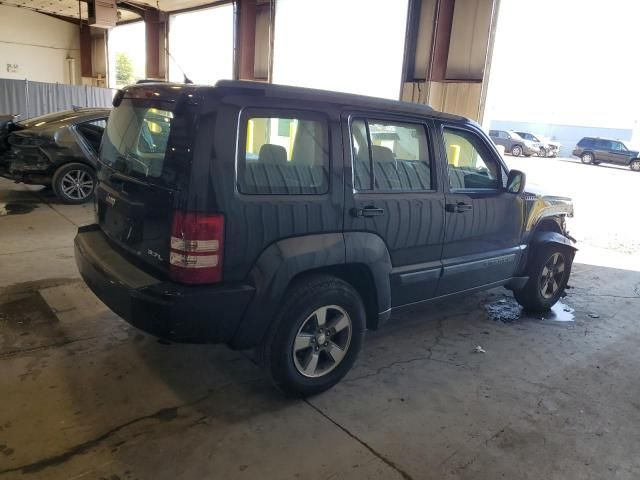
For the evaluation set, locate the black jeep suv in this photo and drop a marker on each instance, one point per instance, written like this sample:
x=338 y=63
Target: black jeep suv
x=595 y=151
x=292 y=220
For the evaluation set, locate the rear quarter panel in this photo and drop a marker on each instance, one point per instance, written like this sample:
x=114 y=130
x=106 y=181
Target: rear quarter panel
x=254 y=222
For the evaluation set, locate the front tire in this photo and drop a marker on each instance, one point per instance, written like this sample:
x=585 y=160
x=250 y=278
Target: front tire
x=549 y=273
x=516 y=150
x=635 y=165
x=316 y=335
x=74 y=183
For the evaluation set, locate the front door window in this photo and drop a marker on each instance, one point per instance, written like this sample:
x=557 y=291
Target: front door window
x=468 y=167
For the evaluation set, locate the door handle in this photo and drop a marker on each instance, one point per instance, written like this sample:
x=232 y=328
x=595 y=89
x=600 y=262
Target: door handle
x=368 y=211
x=459 y=207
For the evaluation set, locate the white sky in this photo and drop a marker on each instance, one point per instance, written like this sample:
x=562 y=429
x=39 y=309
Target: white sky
x=353 y=46
x=568 y=62
x=202 y=44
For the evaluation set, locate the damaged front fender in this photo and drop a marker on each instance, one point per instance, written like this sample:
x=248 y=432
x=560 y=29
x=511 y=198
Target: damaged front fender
x=540 y=207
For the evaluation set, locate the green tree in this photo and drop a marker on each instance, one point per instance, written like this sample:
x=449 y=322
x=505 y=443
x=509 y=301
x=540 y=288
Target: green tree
x=124 y=69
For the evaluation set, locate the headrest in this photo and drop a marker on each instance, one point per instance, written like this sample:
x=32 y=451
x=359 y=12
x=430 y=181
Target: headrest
x=270 y=153
x=382 y=154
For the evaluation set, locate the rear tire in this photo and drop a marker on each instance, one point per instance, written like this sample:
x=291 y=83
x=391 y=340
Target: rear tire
x=315 y=337
x=548 y=272
x=635 y=165
x=587 y=158
x=516 y=150
x=74 y=183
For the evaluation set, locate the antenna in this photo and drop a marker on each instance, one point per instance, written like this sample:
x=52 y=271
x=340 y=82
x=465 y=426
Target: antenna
x=186 y=79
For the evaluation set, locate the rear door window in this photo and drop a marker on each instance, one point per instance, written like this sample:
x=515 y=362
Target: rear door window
x=92 y=132
x=283 y=154
x=390 y=156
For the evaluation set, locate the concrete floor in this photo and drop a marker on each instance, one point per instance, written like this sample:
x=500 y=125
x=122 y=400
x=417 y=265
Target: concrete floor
x=84 y=395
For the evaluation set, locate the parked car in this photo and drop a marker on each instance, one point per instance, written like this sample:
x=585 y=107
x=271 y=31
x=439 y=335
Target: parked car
x=547 y=147
x=514 y=143
x=292 y=220
x=606 y=150
x=58 y=150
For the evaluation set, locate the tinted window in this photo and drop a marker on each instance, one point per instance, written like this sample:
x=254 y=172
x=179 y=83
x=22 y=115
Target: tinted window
x=603 y=145
x=92 y=132
x=284 y=155
x=470 y=165
x=619 y=147
x=136 y=140
x=390 y=156
x=586 y=142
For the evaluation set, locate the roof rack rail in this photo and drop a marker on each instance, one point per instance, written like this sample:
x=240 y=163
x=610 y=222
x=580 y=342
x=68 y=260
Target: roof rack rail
x=150 y=80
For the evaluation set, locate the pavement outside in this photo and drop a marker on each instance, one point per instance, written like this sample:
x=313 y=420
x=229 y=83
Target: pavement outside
x=85 y=396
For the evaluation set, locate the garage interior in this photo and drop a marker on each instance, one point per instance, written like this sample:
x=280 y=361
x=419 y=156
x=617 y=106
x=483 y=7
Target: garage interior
x=86 y=395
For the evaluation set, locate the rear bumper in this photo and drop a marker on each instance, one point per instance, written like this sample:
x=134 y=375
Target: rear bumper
x=38 y=174
x=198 y=314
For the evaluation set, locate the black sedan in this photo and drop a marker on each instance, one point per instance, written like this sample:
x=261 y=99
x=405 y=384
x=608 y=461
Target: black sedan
x=58 y=150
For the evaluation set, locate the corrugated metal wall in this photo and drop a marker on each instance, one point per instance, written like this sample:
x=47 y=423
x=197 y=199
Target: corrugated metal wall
x=31 y=99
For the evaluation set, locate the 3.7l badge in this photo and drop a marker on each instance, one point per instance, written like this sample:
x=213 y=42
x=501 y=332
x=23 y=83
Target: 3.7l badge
x=110 y=199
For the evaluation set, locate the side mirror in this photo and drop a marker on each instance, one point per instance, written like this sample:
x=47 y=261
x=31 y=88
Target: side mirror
x=516 y=181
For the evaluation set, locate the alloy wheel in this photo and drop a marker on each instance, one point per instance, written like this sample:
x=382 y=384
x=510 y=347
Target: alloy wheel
x=587 y=158
x=77 y=184
x=516 y=151
x=635 y=165
x=552 y=275
x=322 y=341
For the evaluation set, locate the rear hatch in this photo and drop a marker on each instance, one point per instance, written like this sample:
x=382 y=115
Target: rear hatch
x=145 y=164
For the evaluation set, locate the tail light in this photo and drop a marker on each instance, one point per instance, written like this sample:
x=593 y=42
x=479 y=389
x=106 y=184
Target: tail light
x=196 y=247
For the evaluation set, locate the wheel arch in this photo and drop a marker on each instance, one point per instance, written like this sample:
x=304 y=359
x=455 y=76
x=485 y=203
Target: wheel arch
x=549 y=224
x=360 y=277
x=68 y=161
x=359 y=258
x=548 y=230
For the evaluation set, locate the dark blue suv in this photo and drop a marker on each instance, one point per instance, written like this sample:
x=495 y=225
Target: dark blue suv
x=292 y=220
x=594 y=151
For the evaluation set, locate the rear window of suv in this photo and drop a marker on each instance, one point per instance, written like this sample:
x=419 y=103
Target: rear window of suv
x=586 y=142
x=136 y=139
x=283 y=154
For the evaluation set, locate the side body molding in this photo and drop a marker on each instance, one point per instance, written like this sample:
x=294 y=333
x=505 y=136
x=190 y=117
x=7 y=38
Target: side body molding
x=370 y=250
x=277 y=265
